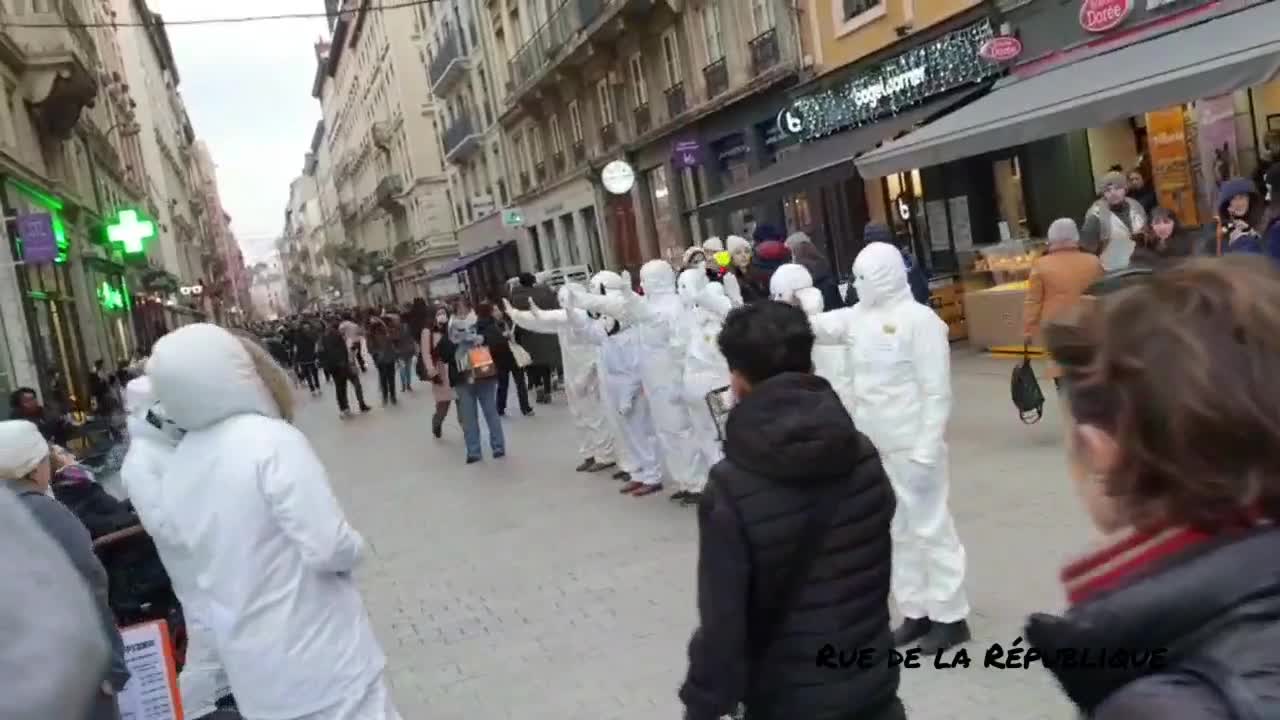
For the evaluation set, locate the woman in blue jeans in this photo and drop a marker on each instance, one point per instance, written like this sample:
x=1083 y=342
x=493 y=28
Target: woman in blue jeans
x=476 y=395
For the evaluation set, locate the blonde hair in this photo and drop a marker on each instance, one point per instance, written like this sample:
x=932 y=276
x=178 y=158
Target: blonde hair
x=273 y=376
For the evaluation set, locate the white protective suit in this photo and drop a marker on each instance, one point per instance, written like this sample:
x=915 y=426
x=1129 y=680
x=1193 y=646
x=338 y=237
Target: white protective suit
x=248 y=504
x=203 y=680
x=705 y=369
x=581 y=357
x=627 y=407
x=792 y=284
x=902 y=401
x=658 y=320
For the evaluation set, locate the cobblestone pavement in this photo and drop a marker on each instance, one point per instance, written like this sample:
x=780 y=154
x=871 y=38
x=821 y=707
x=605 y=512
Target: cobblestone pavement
x=519 y=589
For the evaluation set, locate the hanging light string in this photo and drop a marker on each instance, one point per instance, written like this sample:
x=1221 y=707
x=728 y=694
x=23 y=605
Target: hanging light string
x=221 y=21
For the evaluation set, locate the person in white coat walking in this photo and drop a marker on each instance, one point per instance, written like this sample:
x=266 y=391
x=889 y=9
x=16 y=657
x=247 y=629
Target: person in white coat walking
x=902 y=401
x=152 y=440
x=263 y=536
x=793 y=284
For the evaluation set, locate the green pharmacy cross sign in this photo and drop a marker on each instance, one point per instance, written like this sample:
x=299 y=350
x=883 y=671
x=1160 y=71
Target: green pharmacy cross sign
x=112 y=298
x=130 y=232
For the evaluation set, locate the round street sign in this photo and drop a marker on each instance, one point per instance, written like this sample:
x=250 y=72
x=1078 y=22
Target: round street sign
x=618 y=177
x=1099 y=16
x=790 y=122
x=1001 y=48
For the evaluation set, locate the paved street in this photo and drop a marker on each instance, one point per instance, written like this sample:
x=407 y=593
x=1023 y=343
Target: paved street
x=520 y=589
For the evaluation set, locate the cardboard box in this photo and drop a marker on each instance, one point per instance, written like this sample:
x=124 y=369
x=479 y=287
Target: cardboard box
x=994 y=317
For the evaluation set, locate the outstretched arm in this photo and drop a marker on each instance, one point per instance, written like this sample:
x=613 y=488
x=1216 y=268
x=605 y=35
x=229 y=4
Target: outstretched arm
x=832 y=327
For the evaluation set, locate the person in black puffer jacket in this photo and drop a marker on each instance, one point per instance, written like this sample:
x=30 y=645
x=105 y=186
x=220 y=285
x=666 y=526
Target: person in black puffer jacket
x=1177 y=610
x=790 y=449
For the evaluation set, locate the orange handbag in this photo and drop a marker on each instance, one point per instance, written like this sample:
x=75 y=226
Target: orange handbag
x=482 y=365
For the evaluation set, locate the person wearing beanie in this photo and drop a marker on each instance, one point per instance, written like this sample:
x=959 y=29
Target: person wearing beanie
x=804 y=252
x=764 y=232
x=742 y=288
x=1058 y=280
x=26 y=469
x=768 y=257
x=1112 y=222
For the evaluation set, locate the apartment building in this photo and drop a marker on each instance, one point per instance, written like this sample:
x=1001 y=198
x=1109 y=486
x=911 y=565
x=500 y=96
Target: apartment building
x=312 y=276
x=381 y=133
x=74 y=135
x=226 y=280
x=650 y=82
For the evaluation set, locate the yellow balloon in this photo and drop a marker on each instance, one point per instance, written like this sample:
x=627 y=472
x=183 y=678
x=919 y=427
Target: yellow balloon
x=723 y=258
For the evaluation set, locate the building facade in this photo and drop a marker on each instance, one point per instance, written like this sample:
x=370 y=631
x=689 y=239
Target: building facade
x=385 y=164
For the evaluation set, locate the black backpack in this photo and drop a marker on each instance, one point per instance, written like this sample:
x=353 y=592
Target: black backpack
x=1025 y=389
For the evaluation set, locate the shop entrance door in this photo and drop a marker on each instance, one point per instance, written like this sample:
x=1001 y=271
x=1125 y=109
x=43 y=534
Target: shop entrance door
x=56 y=352
x=622 y=228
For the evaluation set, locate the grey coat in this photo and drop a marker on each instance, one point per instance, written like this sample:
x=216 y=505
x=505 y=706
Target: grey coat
x=73 y=537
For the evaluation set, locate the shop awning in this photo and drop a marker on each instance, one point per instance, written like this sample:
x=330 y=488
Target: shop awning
x=463 y=262
x=835 y=150
x=1212 y=58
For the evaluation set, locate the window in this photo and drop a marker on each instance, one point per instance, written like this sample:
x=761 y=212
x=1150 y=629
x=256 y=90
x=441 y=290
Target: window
x=606 y=102
x=557 y=140
x=854 y=8
x=762 y=15
x=671 y=59
x=535 y=143
x=575 y=122
x=639 y=91
x=711 y=31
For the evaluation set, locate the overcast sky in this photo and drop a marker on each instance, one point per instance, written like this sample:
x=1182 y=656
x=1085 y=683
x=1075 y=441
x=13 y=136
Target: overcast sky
x=248 y=91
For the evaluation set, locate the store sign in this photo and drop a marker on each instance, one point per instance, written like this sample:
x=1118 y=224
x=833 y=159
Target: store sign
x=111 y=298
x=1001 y=49
x=130 y=233
x=915 y=76
x=904 y=208
x=512 y=218
x=688 y=154
x=39 y=243
x=1099 y=16
x=618 y=177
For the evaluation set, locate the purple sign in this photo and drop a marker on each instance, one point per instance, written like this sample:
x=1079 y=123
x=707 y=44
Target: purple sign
x=39 y=245
x=688 y=154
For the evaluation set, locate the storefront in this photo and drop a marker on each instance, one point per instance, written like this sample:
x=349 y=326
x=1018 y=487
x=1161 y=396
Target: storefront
x=799 y=174
x=562 y=228
x=111 y=309
x=1180 y=92
x=481 y=274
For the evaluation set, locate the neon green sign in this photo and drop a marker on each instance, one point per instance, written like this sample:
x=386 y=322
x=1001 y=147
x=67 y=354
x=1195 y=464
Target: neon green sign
x=130 y=233
x=112 y=298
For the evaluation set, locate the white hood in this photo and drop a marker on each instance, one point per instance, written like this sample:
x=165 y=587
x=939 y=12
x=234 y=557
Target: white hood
x=690 y=284
x=607 y=282
x=880 y=275
x=787 y=279
x=657 y=278
x=202 y=375
x=139 y=401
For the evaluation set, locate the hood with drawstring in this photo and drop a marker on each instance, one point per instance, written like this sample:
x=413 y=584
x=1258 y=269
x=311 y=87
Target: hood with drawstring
x=657 y=278
x=139 y=402
x=1240 y=186
x=787 y=279
x=880 y=275
x=690 y=285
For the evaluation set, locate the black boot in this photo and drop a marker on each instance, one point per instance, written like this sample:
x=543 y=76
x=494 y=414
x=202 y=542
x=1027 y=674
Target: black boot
x=678 y=495
x=911 y=630
x=944 y=636
x=585 y=465
x=622 y=475
x=692 y=498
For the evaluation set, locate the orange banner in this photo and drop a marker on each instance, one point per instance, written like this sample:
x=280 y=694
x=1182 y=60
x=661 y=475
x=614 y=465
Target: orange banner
x=1171 y=163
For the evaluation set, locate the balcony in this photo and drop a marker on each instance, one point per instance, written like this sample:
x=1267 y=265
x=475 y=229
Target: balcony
x=389 y=190
x=380 y=133
x=764 y=52
x=448 y=65
x=716 y=76
x=579 y=152
x=608 y=136
x=644 y=119
x=461 y=139
x=58 y=78
x=676 y=101
x=540 y=171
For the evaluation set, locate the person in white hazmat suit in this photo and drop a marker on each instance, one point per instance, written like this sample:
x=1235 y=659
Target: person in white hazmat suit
x=249 y=503
x=705 y=369
x=792 y=284
x=657 y=319
x=620 y=386
x=902 y=401
x=580 y=353
x=152 y=440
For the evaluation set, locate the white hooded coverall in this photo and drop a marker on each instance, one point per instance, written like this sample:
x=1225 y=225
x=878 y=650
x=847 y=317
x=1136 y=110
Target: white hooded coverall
x=657 y=318
x=581 y=376
x=249 y=506
x=792 y=284
x=705 y=370
x=203 y=680
x=902 y=401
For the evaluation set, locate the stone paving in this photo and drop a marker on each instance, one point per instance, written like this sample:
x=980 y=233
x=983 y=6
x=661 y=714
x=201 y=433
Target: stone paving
x=519 y=589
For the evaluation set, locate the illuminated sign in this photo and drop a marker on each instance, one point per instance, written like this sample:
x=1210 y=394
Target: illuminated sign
x=130 y=233
x=112 y=298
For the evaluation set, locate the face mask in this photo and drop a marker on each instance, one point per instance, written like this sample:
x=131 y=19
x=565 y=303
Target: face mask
x=442 y=319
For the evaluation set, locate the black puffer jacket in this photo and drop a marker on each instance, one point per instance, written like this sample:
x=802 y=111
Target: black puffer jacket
x=785 y=443
x=1214 y=606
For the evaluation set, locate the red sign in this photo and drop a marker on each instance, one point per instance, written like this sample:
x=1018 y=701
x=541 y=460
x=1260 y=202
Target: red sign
x=1001 y=49
x=1099 y=16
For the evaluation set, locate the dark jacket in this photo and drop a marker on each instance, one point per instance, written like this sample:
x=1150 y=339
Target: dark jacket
x=767 y=257
x=334 y=353
x=785 y=443
x=543 y=348
x=1249 y=243
x=382 y=347
x=499 y=346
x=304 y=346
x=1197 y=606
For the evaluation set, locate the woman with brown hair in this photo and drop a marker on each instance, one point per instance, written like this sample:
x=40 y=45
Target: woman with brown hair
x=437 y=367
x=1174 y=441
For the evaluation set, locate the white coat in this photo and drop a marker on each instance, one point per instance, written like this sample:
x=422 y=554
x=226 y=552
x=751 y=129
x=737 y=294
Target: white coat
x=203 y=680
x=263 y=537
x=792 y=284
x=902 y=401
x=705 y=370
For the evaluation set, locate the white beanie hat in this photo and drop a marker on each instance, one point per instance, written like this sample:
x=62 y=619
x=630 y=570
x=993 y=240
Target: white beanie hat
x=22 y=448
x=713 y=244
x=736 y=243
x=1063 y=231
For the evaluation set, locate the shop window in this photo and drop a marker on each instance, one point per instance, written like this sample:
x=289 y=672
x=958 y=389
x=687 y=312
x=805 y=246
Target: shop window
x=1010 y=204
x=795 y=208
